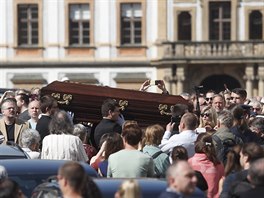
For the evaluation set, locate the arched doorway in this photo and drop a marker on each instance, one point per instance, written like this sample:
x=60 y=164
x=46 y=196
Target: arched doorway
x=216 y=82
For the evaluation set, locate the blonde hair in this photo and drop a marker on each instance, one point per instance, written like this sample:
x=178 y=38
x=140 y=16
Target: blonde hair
x=129 y=189
x=153 y=135
x=212 y=116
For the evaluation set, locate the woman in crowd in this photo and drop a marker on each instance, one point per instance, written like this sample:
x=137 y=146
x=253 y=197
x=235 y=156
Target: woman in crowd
x=232 y=164
x=99 y=157
x=152 y=138
x=113 y=143
x=30 y=143
x=205 y=161
x=129 y=189
x=61 y=144
x=208 y=119
x=180 y=153
x=248 y=154
x=240 y=127
x=81 y=132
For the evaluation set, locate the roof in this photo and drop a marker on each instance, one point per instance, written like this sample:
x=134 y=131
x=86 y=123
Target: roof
x=38 y=167
x=12 y=152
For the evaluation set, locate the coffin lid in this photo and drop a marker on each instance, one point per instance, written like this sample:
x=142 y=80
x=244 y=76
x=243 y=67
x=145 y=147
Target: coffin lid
x=85 y=102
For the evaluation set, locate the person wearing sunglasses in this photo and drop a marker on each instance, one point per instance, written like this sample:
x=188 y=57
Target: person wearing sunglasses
x=209 y=97
x=208 y=119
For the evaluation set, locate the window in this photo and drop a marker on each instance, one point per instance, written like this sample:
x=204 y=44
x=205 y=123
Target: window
x=79 y=24
x=255 y=25
x=28 y=25
x=184 y=27
x=220 y=21
x=131 y=23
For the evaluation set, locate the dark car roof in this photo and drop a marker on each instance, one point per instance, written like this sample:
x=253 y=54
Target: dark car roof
x=39 y=166
x=11 y=152
x=29 y=173
x=150 y=187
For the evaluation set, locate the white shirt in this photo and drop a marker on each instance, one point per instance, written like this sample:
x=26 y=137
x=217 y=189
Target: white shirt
x=63 y=147
x=32 y=154
x=184 y=138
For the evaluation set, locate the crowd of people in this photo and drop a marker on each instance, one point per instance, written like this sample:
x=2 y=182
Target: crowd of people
x=212 y=147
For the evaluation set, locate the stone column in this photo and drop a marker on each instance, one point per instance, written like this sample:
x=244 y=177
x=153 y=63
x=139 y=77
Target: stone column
x=180 y=73
x=261 y=80
x=249 y=77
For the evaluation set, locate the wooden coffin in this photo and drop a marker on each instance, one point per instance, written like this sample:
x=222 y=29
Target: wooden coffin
x=85 y=102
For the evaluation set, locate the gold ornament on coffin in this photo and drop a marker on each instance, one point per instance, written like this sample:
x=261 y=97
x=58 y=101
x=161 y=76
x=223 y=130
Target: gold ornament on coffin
x=164 y=109
x=123 y=104
x=65 y=99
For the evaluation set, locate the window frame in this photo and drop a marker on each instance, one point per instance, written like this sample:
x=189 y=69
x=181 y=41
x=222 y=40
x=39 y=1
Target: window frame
x=220 y=21
x=16 y=3
x=143 y=24
x=80 y=23
x=29 y=21
x=131 y=21
x=67 y=44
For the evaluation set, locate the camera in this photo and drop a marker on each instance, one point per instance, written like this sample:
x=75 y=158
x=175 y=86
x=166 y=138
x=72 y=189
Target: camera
x=158 y=82
x=155 y=82
x=176 y=119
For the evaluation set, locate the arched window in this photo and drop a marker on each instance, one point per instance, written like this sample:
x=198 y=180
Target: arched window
x=184 y=26
x=255 y=25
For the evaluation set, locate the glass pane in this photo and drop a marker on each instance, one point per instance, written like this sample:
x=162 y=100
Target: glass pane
x=86 y=15
x=86 y=25
x=34 y=25
x=34 y=40
x=255 y=25
x=137 y=24
x=137 y=10
x=126 y=41
x=131 y=9
x=23 y=25
x=126 y=10
x=22 y=15
x=226 y=31
x=74 y=41
x=23 y=34
x=75 y=12
x=74 y=25
x=22 y=41
x=138 y=40
x=86 y=40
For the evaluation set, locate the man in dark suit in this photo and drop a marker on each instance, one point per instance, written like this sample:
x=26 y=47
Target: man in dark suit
x=48 y=106
x=256 y=178
x=110 y=112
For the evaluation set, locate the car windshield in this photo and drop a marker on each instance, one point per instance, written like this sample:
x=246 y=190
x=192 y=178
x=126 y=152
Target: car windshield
x=29 y=182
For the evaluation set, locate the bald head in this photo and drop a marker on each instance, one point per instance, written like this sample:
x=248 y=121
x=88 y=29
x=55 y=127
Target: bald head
x=181 y=177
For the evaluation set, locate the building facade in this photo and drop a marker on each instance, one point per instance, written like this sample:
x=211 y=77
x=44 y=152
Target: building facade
x=121 y=43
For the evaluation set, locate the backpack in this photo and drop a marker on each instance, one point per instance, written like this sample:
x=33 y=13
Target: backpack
x=223 y=147
x=157 y=172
